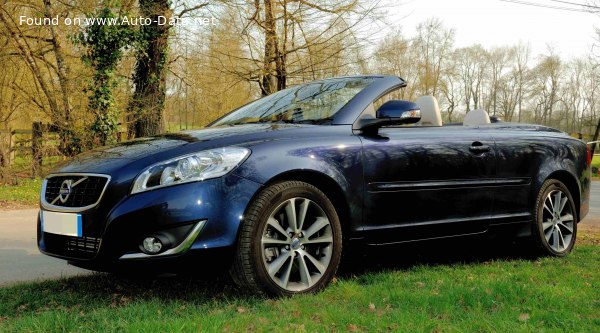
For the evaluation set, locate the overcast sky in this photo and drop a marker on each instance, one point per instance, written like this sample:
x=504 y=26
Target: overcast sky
x=497 y=23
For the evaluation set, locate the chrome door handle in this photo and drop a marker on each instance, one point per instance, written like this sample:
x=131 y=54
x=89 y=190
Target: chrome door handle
x=479 y=148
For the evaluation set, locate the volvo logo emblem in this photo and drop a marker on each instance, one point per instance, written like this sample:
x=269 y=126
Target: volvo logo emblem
x=65 y=190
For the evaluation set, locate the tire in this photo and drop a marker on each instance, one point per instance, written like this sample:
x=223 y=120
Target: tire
x=555 y=225
x=279 y=257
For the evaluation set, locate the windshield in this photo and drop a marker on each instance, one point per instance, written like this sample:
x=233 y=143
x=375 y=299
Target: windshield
x=312 y=103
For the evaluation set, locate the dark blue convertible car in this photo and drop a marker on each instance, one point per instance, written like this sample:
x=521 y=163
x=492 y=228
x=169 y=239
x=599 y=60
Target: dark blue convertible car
x=280 y=187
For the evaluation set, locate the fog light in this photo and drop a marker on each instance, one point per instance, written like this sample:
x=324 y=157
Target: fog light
x=152 y=245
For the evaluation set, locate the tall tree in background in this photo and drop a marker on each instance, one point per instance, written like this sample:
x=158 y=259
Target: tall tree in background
x=44 y=56
x=433 y=42
x=104 y=45
x=293 y=39
x=393 y=56
x=546 y=81
x=471 y=63
x=497 y=60
x=520 y=67
x=146 y=107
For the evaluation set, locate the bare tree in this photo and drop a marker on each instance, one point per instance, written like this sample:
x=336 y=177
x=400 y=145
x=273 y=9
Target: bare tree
x=44 y=57
x=472 y=63
x=393 y=56
x=546 y=79
x=520 y=68
x=292 y=39
x=433 y=43
x=450 y=89
x=497 y=59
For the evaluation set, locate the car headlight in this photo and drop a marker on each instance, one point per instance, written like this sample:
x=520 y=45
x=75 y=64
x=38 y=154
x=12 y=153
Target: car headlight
x=189 y=168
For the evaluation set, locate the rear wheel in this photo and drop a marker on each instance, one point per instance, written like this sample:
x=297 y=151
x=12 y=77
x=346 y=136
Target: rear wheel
x=555 y=227
x=290 y=241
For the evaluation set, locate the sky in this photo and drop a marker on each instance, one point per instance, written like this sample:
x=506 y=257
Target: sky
x=498 y=23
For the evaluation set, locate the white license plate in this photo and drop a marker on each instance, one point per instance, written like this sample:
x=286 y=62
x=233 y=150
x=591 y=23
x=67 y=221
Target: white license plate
x=68 y=224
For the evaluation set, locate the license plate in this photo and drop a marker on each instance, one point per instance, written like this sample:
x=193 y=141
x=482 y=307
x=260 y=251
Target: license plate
x=67 y=224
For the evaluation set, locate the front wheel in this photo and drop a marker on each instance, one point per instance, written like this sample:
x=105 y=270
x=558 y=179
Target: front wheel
x=290 y=241
x=555 y=224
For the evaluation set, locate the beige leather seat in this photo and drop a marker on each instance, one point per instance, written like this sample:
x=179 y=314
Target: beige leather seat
x=430 y=111
x=476 y=117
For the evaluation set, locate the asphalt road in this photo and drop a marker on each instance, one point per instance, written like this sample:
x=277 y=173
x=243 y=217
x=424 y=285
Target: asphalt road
x=20 y=260
x=594 y=214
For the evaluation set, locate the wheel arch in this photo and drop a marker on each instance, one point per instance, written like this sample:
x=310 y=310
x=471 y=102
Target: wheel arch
x=332 y=189
x=571 y=183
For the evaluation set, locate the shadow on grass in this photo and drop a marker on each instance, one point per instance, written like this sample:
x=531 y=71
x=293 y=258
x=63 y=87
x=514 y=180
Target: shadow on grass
x=459 y=250
x=102 y=290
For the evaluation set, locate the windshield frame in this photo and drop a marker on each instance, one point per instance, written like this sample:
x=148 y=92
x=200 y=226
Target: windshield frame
x=374 y=80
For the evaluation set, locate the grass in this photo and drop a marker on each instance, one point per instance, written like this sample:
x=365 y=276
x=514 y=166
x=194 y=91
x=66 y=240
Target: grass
x=489 y=294
x=596 y=164
x=25 y=193
x=17 y=189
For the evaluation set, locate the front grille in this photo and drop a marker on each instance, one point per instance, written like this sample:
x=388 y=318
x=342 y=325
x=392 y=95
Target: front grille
x=72 y=247
x=77 y=190
x=83 y=244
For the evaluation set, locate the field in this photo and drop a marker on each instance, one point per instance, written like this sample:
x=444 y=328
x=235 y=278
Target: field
x=454 y=292
x=26 y=193
x=461 y=290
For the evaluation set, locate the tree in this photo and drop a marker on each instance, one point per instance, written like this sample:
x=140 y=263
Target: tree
x=393 y=56
x=295 y=39
x=449 y=87
x=546 y=79
x=520 y=69
x=472 y=64
x=104 y=45
x=145 y=110
x=44 y=57
x=10 y=103
x=432 y=43
x=497 y=60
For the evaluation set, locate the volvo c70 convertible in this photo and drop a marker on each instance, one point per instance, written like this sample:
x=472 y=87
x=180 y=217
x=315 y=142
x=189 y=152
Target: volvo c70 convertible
x=282 y=186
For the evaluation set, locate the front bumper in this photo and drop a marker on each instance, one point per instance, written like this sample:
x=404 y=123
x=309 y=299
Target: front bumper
x=198 y=217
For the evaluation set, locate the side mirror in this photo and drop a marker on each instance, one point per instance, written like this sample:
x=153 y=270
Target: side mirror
x=394 y=112
x=399 y=112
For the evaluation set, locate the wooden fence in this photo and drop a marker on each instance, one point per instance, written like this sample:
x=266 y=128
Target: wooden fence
x=35 y=143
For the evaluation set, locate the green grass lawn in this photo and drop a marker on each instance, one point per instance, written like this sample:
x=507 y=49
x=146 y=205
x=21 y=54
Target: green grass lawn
x=488 y=295
x=596 y=163
x=26 y=192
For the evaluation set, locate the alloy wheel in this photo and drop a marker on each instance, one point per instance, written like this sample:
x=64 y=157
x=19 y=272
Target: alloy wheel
x=558 y=221
x=297 y=244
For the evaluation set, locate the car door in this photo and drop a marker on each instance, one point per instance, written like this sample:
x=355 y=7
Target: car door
x=520 y=155
x=427 y=182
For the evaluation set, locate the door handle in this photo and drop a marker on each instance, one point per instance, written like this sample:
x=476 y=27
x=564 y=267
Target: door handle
x=479 y=148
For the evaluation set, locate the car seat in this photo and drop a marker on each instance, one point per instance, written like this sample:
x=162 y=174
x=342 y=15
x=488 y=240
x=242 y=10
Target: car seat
x=476 y=117
x=430 y=111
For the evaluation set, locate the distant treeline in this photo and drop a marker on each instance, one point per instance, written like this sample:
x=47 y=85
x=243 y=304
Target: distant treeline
x=93 y=81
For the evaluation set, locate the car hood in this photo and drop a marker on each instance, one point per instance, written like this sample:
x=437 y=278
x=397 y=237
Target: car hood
x=142 y=152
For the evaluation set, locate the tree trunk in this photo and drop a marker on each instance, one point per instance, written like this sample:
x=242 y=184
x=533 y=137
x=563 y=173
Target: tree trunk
x=147 y=105
x=269 y=83
x=62 y=69
x=595 y=138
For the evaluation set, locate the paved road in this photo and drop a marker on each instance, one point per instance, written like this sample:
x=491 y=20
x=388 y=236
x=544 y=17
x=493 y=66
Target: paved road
x=21 y=261
x=594 y=214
